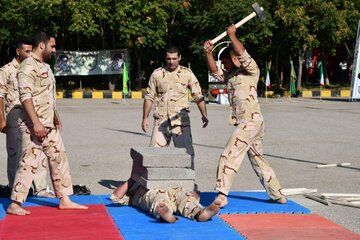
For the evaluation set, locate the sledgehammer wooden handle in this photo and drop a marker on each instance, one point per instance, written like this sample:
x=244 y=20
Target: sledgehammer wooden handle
x=240 y=23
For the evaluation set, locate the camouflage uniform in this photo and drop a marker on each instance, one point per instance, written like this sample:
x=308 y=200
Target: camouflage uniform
x=170 y=92
x=10 y=92
x=37 y=82
x=177 y=199
x=249 y=132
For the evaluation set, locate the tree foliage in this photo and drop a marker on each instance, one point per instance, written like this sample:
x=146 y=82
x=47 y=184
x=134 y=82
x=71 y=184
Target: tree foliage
x=145 y=26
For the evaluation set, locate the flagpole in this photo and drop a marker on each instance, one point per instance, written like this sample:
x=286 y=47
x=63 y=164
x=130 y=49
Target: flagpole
x=266 y=80
x=266 y=94
x=321 y=78
x=290 y=80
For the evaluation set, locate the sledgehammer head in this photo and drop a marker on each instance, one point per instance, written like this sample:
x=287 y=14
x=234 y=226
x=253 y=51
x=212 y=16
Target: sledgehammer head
x=259 y=11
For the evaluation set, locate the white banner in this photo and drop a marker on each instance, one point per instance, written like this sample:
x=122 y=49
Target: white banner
x=79 y=63
x=355 y=81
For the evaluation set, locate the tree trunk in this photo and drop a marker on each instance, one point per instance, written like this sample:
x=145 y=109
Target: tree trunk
x=103 y=44
x=282 y=77
x=301 y=60
x=138 y=55
x=111 y=83
x=326 y=76
x=277 y=76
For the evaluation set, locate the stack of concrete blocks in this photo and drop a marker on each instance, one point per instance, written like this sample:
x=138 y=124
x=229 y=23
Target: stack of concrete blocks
x=162 y=167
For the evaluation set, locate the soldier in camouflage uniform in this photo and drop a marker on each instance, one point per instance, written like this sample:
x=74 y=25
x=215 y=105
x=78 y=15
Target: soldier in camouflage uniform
x=242 y=76
x=40 y=128
x=163 y=203
x=168 y=87
x=10 y=93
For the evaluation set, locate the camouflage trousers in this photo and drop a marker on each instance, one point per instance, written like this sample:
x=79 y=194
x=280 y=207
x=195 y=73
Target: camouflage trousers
x=177 y=199
x=246 y=138
x=14 y=153
x=181 y=135
x=53 y=147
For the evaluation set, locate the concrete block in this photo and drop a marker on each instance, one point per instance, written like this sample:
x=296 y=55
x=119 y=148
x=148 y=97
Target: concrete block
x=150 y=184
x=164 y=173
x=161 y=157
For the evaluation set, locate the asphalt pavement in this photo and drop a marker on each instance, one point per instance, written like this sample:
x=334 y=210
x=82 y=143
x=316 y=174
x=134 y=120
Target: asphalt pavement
x=300 y=134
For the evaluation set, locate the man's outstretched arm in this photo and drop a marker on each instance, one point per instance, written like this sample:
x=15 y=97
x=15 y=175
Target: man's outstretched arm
x=236 y=44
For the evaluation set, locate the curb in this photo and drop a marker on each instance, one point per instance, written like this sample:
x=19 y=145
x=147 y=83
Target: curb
x=316 y=93
x=97 y=95
x=139 y=95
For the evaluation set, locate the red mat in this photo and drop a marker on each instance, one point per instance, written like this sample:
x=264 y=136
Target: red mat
x=52 y=223
x=287 y=226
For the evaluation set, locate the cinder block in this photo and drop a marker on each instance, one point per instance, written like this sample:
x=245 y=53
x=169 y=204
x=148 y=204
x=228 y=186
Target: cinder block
x=149 y=184
x=164 y=173
x=161 y=157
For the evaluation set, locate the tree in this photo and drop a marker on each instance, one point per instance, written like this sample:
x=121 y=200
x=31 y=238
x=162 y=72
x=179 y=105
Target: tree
x=316 y=23
x=140 y=24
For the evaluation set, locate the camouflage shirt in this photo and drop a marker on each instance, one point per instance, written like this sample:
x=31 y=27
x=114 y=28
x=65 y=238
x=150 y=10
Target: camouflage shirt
x=37 y=82
x=9 y=85
x=170 y=92
x=242 y=89
x=9 y=91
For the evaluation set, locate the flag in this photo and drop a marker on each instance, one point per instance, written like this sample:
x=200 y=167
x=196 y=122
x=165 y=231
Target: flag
x=321 y=75
x=292 y=79
x=125 y=80
x=267 y=76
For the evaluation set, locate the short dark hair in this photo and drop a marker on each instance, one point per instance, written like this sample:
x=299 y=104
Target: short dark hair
x=23 y=41
x=172 y=49
x=226 y=53
x=40 y=37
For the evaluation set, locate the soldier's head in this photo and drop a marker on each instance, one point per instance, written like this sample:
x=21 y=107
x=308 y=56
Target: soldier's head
x=229 y=60
x=23 y=49
x=44 y=45
x=172 y=57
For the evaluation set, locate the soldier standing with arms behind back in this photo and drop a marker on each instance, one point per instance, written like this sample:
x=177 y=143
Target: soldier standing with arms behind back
x=10 y=93
x=168 y=87
x=40 y=128
x=242 y=76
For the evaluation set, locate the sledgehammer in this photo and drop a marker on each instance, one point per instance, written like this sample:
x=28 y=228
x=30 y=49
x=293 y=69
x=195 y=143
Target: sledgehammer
x=259 y=11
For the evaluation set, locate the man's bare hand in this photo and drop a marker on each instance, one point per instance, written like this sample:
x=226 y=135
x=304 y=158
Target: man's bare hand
x=57 y=121
x=231 y=30
x=39 y=131
x=145 y=124
x=3 y=126
x=208 y=46
x=205 y=121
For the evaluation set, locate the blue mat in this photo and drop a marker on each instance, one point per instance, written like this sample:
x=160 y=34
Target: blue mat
x=252 y=202
x=136 y=224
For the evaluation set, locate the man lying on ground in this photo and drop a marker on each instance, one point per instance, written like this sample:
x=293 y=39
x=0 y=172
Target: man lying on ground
x=163 y=203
